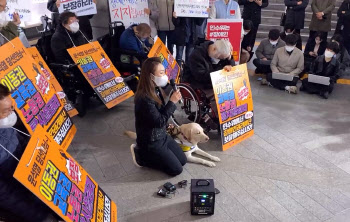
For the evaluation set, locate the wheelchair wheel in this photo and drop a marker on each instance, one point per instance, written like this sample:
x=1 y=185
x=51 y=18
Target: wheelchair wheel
x=189 y=111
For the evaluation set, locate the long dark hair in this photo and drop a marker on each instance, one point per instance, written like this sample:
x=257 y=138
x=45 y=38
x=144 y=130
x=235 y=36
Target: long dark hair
x=146 y=87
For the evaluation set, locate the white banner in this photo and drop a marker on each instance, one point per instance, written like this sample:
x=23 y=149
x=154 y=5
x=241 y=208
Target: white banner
x=192 y=8
x=22 y=7
x=79 y=7
x=128 y=11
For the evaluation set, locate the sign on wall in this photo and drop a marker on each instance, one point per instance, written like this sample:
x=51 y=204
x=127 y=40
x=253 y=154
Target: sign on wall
x=61 y=183
x=191 y=8
x=234 y=104
x=228 y=29
x=79 y=7
x=128 y=12
x=101 y=74
x=36 y=101
x=172 y=69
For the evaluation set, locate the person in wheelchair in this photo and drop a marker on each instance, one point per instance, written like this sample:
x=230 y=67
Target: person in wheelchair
x=67 y=35
x=205 y=59
x=136 y=38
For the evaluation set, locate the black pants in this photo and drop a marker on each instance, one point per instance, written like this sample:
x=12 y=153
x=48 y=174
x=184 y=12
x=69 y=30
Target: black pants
x=165 y=155
x=262 y=68
x=281 y=84
x=324 y=35
x=314 y=88
x=254 y=31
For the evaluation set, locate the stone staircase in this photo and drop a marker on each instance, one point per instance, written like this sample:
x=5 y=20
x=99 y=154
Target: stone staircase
x=271 y=17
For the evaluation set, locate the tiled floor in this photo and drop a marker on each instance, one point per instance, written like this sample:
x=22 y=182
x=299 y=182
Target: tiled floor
x=295 y=168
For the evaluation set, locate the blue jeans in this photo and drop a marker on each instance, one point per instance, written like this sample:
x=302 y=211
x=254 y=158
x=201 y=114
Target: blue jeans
x=167 y=35
x=180 y=52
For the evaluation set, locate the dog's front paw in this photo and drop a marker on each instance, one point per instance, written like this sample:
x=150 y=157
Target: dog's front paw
x=216 y=159
x=210 y=164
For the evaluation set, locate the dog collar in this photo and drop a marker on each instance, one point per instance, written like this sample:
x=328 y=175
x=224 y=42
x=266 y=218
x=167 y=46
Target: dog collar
x=186 y=148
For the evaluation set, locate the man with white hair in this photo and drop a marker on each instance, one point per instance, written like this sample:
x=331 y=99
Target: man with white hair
x=8 y=29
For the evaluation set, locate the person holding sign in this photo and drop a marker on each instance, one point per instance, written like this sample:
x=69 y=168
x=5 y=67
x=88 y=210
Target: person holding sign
x=287 y=63
x=14 y=197
x=155 y=148
x=67 y=35
x=225 y=9
x=8 y=29
x=326 y=65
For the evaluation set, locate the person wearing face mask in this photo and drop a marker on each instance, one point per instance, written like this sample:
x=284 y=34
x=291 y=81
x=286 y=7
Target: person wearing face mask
x=315 y=47
x=66 y=36
x=325 y=65
x=343 y=56
x=288 y=30
x=287 y=60
x=155 y=148
x=266 y=50
x=343 y=25
x=136 y=38
x=246 y=47
x=8 y=29
x=15 y=199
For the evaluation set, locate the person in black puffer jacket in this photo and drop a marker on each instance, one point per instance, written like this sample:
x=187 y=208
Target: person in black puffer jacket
x=155 y=148
x=15 y=199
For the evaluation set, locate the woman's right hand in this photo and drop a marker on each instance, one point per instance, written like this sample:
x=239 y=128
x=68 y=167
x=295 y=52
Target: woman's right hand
x=174 y=15
x=175 y=97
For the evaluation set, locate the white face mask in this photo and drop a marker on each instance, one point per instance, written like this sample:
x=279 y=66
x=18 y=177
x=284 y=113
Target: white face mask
x=328 y=54
x=289 y=48
x=160 y=81
x=3 y=21
x=215 y=60
x=289 y=33
x=9 y=121
x=273 y=42
x=245 y=33
x=318 y=41
x=74 y=27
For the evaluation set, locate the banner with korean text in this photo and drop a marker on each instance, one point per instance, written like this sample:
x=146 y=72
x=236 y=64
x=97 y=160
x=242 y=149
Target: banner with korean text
x=234 y=104
x=37 y=102
x=22 y=7
x=191 y=8
x=46 y=73
x=61 y=183
x=79 y=7
x=172 y=69
x=128 y=12
x=228 y=29
x=101 y=74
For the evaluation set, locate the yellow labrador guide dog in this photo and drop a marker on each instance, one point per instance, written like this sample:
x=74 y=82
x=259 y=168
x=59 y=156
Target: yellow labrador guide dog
x=187 y=136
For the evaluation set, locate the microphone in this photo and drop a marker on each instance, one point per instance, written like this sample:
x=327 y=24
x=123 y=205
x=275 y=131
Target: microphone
x=175 y=88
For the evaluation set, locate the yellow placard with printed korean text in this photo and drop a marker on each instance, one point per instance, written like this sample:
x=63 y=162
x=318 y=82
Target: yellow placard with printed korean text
x=172 y=69
x=235 y=105
x=101 y=74
x=45 y=70
x=56 y=178
x=35 y=99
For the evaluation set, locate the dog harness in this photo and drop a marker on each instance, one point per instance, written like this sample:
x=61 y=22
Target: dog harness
x=185 y=146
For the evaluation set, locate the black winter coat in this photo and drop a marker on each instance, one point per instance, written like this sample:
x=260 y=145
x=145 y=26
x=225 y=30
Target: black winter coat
x=310 y=45
x=180 y=30
x=296 y=13
x=151 y=120
x=200 y=66
x=331 y=71
x=247 y=41
x=344 y=19
x=252 y=11
x=84 y=21
x=60 y=42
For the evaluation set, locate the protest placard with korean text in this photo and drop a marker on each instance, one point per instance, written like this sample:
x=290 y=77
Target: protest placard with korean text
x=172 y=69
x=22 y=7
x=79 y=7
x=191 y=8
x=228 y=29
x=36 y=101
x=46 y=73
x=128 y=12
x=101 y=74
x=56 y=178
x=235 y=105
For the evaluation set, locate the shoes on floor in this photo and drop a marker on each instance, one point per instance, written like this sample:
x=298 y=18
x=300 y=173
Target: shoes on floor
x=292 y=89
x=324 y=95
x=134 y=154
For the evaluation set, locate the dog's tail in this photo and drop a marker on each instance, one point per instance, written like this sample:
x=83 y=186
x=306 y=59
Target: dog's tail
x=130 y=134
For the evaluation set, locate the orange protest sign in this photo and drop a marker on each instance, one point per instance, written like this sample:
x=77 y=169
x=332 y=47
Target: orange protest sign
x=172 y=69
x=46 y=72
x=101 y=74
x=36 y=100
x=235 y=105
x=61 y=183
